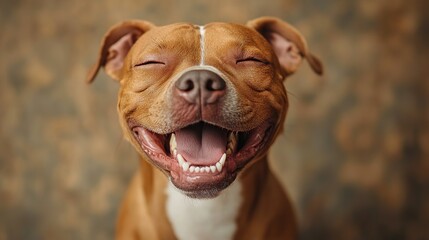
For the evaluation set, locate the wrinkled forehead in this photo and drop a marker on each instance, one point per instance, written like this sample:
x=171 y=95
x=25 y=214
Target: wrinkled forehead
x=193 y=36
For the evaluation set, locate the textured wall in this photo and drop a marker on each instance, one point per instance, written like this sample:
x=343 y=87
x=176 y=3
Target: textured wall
x=354 y=155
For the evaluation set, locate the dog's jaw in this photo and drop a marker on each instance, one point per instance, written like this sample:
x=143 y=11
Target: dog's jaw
x=220 y=154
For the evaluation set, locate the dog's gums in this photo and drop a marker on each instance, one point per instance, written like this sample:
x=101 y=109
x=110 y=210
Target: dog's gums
x=202 y=157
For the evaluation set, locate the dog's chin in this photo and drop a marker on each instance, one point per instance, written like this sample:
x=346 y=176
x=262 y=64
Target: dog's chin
x=202 y=159
x=203 y=190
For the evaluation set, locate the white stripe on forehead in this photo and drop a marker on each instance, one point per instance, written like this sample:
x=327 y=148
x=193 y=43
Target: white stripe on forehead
x=202 y=49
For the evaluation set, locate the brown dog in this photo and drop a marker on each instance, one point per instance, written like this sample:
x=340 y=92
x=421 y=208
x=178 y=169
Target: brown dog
x=202 y=105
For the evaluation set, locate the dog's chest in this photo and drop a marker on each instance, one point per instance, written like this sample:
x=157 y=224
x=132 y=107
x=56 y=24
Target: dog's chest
x=204 y=218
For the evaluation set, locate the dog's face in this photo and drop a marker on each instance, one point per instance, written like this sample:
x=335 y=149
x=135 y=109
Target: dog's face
x=202 y=103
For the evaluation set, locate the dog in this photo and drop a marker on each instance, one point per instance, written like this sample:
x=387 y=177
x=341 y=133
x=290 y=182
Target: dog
x=202 y=105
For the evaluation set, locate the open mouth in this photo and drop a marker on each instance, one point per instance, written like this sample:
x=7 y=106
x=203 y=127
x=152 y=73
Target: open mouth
x=202 y=159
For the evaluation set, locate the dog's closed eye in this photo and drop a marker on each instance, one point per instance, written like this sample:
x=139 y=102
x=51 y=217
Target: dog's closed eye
x=149 y=62
x=251 y=59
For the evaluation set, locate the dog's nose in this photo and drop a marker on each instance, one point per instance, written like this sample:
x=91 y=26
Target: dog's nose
x=201 y=85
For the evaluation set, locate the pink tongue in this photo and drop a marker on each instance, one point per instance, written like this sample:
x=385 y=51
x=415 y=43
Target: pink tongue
x=201 y=144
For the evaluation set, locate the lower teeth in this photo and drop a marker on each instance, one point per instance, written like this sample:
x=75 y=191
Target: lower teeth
x=212 y=168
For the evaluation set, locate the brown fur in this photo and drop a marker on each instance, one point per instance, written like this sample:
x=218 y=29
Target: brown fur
x=258 y=94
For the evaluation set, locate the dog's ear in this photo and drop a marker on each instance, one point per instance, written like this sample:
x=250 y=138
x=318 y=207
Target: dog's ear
x=288 y=44
x=115 y=46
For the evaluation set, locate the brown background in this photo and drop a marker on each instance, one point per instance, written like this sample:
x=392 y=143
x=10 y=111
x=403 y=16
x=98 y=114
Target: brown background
x=354 y=156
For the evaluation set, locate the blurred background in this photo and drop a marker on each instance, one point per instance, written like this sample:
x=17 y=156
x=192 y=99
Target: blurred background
x=354 y=156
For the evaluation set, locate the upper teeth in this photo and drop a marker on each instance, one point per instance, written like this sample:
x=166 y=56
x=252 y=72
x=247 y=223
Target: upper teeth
x=173 y=144
x=232 y=143
x=186 y=166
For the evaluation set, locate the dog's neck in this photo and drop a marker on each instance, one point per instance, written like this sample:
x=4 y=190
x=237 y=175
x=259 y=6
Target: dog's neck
x=189 y=217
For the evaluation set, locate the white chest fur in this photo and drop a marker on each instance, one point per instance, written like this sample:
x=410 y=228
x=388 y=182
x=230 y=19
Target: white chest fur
x=204 y=218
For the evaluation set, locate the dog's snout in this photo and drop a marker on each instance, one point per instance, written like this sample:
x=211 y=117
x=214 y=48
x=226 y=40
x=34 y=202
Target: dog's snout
x=201 y=86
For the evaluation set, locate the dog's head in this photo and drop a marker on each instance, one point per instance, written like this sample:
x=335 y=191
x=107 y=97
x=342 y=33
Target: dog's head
x=202 y=102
